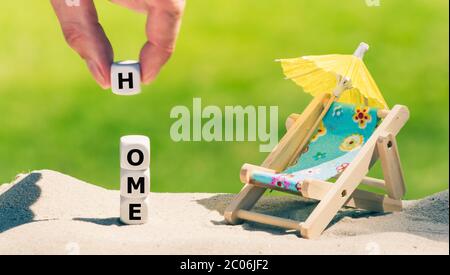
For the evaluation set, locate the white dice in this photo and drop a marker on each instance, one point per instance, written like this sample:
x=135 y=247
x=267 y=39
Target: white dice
x=135 y=184
x=126 y=78
x=134 y=179
x=135 y=152
x=133 y=211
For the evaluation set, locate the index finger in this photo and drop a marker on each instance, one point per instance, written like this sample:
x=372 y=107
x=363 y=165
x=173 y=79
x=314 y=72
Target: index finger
x=86 y=36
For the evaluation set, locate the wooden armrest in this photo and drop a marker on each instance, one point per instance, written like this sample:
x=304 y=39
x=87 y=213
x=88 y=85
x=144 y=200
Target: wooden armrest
x=247 y=170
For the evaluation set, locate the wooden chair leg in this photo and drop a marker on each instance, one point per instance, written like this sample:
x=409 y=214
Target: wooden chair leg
x=337 y=196
x=245 y=200
x=391 y=166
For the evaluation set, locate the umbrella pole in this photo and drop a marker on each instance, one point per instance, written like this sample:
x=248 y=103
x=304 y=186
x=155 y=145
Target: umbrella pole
x=361 y=50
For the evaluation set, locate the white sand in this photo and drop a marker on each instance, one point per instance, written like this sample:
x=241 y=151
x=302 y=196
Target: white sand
x=46 y=212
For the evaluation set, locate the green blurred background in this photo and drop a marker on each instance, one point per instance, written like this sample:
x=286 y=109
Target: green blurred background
x=53 y=115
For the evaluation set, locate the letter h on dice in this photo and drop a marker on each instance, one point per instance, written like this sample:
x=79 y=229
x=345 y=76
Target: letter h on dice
x=126 y=78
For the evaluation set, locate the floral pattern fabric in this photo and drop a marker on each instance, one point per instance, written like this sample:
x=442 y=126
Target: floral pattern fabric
x=343 y=131
x=362 y=116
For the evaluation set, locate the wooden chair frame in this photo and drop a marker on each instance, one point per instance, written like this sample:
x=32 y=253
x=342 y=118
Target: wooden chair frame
x=381 y=146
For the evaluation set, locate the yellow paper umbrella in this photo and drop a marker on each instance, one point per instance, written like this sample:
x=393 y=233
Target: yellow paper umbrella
x=344 y=76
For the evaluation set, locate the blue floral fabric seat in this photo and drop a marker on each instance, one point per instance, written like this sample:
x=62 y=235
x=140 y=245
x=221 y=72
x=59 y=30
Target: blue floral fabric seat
x=341 y=134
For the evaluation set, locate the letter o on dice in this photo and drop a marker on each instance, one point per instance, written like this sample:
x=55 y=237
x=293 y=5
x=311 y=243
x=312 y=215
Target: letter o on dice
x=134 y=152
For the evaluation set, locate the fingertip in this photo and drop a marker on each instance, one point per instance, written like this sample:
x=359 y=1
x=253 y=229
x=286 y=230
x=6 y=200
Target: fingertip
x=104 y=82
x=152 y=60
x=148 y=72
x=100 y=76
x=147 y=80
x=104 y=86
x=148 y=76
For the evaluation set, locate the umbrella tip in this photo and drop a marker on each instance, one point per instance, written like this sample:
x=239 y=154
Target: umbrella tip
x=361 y=50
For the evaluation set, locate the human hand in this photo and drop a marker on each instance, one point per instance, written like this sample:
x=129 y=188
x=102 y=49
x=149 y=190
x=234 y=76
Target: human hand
x=86 y=36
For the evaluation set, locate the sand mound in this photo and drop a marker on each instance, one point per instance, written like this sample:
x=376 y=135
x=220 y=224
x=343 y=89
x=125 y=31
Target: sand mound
x=434 y=208
x=46 y=212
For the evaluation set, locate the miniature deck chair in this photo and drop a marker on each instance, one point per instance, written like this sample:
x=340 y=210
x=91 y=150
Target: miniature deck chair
x=345 y=145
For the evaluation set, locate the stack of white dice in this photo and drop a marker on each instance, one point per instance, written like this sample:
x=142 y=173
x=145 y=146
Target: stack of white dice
x=134 y=179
